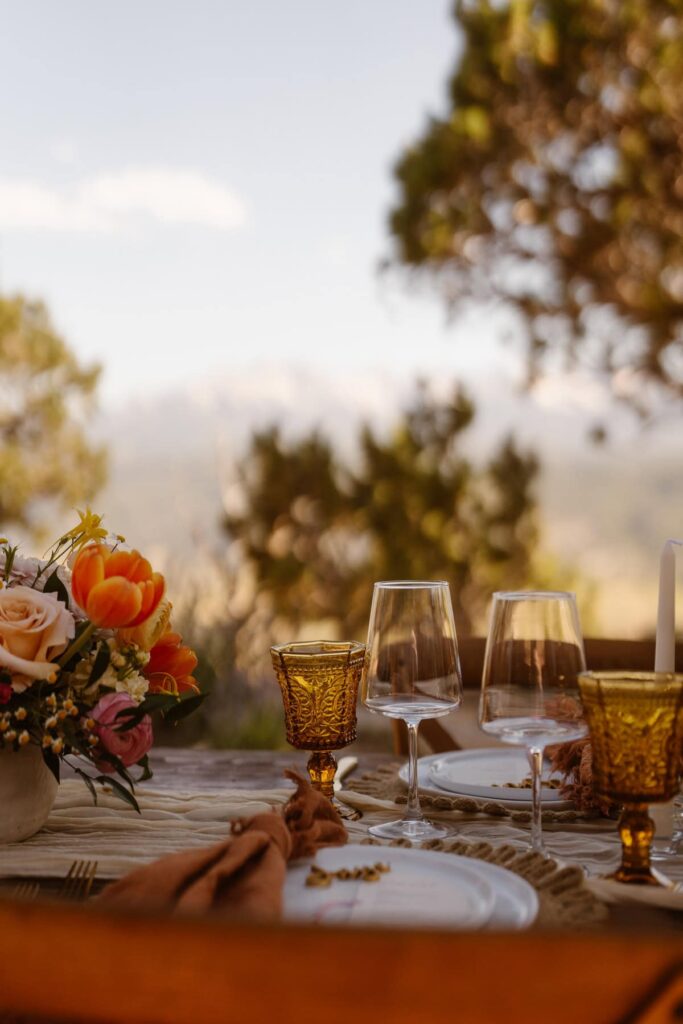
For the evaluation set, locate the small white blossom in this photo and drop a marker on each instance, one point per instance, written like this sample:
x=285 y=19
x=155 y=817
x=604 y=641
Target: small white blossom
x=134 y=685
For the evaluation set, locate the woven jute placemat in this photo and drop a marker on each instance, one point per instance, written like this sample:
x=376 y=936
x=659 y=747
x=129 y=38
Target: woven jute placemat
x=385 y=784
x=565 y=901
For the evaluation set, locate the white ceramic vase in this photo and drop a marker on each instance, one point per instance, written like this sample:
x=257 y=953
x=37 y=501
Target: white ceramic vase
x=27 y=792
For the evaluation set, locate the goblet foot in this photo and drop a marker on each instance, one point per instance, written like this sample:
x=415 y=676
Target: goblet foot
x=649 y=877
x=417 y=831
x=637 y=829
x=322 y=769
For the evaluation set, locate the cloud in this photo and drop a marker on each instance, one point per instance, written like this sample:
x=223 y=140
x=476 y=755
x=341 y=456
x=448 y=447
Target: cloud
x=64 y=152
x=109 y=202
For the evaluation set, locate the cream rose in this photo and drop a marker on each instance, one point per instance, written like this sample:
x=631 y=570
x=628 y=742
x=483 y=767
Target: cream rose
x=34 y=630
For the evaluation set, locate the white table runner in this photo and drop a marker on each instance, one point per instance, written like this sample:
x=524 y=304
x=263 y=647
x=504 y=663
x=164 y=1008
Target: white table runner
x=119 y=839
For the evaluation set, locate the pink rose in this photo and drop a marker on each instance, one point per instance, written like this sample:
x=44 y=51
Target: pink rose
x=129 y=746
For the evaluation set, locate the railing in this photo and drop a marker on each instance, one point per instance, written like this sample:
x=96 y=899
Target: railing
x=633 y=655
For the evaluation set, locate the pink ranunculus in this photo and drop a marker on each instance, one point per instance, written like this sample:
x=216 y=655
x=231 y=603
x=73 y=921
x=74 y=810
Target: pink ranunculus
x=130 y=745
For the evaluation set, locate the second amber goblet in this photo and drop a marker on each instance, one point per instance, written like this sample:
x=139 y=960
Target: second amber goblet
x=636 y=726
x=319 y=684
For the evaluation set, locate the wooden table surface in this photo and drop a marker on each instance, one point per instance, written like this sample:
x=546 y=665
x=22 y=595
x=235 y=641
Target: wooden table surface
x=597 y=976
x=212 y=770
x=186 y=768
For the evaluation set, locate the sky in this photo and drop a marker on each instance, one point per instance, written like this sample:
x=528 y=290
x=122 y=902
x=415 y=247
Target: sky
x=195 y=186
x=199 y=191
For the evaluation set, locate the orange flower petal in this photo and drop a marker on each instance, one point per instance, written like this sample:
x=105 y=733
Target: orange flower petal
x=113 y=603
x=185 y=683
x=151 y=593
x=169 y=639
x=130 y=564
x=88 y=571
x=177 y=661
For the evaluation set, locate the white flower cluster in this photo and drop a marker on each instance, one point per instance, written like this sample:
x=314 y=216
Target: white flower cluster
x=121 y=674
x=134 y=685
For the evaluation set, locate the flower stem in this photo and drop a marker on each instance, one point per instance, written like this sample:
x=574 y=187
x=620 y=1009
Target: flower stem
x=80 y=642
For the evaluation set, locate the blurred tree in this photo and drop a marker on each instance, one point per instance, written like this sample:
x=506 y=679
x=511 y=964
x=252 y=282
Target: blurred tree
x=316 y=531
x=45 y=457
x=555 y=183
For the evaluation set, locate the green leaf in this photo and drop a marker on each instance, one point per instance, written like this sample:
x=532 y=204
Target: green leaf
x=184 y=707
x=69 y=659
x=131 y=717
x=10 y=554
x=101 y=663
x=52 y=762
x=146 y=770
x=54 y=585
x=125 y=775
x=88 y=781
x=118 y=790
x=156 y=701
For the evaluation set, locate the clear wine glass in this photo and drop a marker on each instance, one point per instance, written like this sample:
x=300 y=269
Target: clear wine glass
x=530 y=691
x=412 y=671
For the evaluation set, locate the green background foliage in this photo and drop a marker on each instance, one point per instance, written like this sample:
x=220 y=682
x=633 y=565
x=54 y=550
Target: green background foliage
x=555 y=184
x=318 y=528
x=47 y=458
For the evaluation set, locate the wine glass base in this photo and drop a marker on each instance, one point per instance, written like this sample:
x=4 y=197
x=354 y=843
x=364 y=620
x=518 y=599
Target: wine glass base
x=415 y=831
x=672 y=848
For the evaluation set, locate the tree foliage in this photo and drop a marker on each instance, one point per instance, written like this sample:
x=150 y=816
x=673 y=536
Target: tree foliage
x=555 y=183
x=316 y=530
x=45 y=457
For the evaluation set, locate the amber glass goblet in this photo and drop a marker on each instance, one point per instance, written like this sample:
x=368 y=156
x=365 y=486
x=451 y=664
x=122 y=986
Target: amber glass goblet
x=319 y=684
x=636 y=727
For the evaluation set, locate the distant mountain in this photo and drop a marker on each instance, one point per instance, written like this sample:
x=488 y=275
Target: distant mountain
x=605 y=509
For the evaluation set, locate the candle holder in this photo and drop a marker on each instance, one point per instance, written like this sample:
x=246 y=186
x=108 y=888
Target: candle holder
x=636 y=728
x=319 y=684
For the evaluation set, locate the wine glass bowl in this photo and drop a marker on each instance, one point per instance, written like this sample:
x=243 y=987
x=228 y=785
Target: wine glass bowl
x=412 y=672
x=530 y=695
x=319 y=685
x=636 y=730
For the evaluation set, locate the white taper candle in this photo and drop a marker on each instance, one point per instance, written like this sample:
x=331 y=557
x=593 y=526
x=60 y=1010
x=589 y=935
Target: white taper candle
x=665 y=644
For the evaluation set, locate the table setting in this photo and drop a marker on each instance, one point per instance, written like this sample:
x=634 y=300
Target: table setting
x=551 y=829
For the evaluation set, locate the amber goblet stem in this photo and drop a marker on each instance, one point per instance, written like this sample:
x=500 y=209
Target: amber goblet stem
x=636 y=829
x=322 y=769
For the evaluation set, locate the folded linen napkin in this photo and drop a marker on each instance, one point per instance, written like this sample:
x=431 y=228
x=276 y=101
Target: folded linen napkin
x=245 y=872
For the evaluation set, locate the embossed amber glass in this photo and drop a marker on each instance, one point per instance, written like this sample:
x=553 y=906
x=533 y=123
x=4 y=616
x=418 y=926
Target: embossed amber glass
x=636 y=727
x=319 y=684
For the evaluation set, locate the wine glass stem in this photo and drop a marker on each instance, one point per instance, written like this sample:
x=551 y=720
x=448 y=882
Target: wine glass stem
x=535 y=756
x=413 y=811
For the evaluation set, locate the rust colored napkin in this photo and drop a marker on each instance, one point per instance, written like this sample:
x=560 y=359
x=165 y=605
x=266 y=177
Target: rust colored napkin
x=247 y=871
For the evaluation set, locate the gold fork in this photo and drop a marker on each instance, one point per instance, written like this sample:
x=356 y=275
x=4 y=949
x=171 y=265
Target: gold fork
x=79 y=880
x=25 y=890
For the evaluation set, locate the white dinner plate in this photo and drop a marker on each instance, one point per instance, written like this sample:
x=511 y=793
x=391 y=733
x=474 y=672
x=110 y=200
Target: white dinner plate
x=424 y=888
x=423 y=891
x=482 y=773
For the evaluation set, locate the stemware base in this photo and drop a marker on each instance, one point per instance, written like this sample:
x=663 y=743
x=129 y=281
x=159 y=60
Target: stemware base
x=416 y=831
x=637 y=830
x=649 y=877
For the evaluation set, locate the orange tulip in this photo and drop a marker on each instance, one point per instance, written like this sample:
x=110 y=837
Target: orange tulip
x=115 y=588
x=170 y=666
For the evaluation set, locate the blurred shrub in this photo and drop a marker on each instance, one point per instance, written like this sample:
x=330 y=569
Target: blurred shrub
x=46 y=461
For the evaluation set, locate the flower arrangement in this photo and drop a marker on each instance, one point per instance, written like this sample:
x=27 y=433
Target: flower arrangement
x=87 y=654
